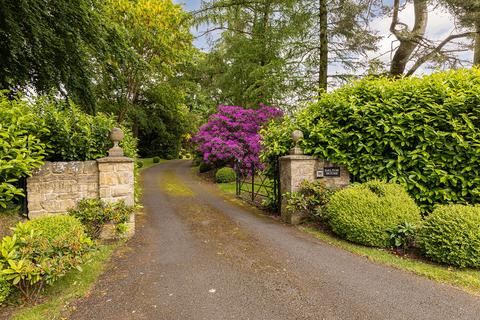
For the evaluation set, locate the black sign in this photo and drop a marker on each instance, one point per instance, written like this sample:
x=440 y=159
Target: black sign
x=331 y=171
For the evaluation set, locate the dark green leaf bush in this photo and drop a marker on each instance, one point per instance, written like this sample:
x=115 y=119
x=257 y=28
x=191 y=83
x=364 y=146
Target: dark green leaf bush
x=156 y=159
x=423 y=133
x=41 y=251
x=364 y=213
x=21 y=146
x=451 y=235
x=77 y=136
x=95 y=213
x=310 y=200
x=224 y=175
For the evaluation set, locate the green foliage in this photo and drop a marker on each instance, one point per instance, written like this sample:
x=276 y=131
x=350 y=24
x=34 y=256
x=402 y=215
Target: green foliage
x=156 y=159
x=139 y=164
x=423 y=133
x=364 y=213
x=224 y=175
x=402 y=236
x=76 y=136
x=143 y=79
x=21 y=146
x=310 y=200
x=41 y=251
x=204 y=167
x=52 y=45
x=451 y=235
x=5 y=290
x=95 y=213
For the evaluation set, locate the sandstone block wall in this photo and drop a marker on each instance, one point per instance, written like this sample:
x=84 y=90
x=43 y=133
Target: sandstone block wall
x=57 y=186
x=116 y=179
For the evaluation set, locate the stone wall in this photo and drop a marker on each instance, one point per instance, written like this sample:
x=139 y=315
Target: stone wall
x=58 y=186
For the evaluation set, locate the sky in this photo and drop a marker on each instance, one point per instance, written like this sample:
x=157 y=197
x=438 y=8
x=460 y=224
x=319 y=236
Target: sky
x=440 y=25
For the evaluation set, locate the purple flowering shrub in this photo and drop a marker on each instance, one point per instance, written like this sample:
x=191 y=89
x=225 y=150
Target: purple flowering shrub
x=233 y=133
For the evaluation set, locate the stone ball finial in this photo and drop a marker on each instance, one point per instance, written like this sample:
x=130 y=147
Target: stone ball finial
x=116 y=135
x=297 y=135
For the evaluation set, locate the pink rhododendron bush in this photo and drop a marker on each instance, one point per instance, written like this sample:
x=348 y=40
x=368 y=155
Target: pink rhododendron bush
x=233 y=134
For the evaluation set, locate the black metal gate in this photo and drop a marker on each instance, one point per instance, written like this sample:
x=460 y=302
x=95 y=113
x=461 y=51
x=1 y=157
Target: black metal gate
x=259 y=186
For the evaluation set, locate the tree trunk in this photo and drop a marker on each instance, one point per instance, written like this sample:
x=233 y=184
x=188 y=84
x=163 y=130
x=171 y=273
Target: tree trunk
x=323 y=37
x=476 y=56
x=408 y=39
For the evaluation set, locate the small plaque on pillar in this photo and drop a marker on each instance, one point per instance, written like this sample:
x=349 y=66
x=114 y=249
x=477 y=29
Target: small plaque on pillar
x=331 y=171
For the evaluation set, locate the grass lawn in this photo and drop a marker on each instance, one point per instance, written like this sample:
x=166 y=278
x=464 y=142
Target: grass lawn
x=148 y=162
x=229 y=187
x=67 y=289
x=465 y=279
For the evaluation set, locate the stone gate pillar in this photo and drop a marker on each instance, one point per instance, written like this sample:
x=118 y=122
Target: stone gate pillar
x=297 y=167
x=116 y=179
x=294 y=169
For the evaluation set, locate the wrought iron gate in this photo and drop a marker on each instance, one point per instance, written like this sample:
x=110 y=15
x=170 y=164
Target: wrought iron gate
x=261 y=187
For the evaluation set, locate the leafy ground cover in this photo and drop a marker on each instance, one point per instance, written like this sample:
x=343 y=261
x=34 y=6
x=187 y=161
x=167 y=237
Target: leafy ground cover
x=74 y=285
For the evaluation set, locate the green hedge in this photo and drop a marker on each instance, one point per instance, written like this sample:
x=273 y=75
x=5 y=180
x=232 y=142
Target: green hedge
x=365 y=213
x=423 y=133
x=224 y=175
x=32 y=132
x=77 y=136
x=451 y=235
x=21 y=146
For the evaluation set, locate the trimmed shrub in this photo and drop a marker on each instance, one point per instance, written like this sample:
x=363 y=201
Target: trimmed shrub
x=5 y=290
x=156 y=159
x=204 y=167
x=139 y=164
x=224 y=175
x=364 y=213
x=451 y=235
x=41 y=251
x=419 y=132
x=95 y=213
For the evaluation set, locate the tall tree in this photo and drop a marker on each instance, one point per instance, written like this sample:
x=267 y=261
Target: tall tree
x=140 y=80
x=49 y=44
x=252 y=50
x=414 y=49
x=467 y=13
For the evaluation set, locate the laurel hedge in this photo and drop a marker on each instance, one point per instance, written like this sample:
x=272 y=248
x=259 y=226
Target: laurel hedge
x=423 y=133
